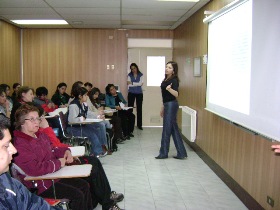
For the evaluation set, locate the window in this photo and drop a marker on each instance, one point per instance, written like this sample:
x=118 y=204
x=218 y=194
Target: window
x=155 y=70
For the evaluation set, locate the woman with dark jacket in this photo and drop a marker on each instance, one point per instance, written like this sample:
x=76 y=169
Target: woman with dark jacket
x=60 y=97
x=114 y=120
x=115 y=100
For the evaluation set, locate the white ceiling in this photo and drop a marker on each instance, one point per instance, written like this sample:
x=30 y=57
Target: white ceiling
x=117 y=14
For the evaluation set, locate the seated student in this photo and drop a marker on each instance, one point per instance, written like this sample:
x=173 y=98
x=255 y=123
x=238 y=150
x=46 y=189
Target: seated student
x=36 y=157
x=99 y=128
x=25 y=95
x=88 y=86
x=96 y=108
x=98 y=178
x=60 y=97
x=6 y=88
x=43 y=101
x=77 y=113
x=4 y=103
x=16 y=87
x=14 y=195
x=94 y=105
x=113 y=100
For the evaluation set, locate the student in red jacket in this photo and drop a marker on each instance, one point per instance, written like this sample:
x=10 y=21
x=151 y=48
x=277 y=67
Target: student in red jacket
x=42 y=100
x=13 y=194
x=36 y=157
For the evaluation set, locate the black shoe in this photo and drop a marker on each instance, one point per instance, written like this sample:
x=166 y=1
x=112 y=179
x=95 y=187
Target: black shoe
x=140 y=127
x=127 y=137
x=161 y=157
x=117 y=197
x=180 y=158
x=131 y=135
x=115 y=207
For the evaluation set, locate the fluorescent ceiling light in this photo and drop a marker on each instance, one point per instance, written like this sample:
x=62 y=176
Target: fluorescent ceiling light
x=181 y=0
x=40 y=22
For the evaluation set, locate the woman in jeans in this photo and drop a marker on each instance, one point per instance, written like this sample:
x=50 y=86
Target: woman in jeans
x=169 y=91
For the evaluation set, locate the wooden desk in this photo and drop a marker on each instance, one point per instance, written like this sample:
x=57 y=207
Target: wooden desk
x=74 y=171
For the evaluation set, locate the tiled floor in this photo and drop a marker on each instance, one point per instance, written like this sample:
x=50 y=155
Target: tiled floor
x=168 y=184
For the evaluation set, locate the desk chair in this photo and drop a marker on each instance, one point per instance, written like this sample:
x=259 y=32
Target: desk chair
x=62 y=203
x=73 y=140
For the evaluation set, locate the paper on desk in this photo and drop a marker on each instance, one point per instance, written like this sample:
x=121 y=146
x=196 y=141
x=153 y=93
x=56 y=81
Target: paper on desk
x=56 y=112
x=106 y=111
x=125 y=107
x=93 y=120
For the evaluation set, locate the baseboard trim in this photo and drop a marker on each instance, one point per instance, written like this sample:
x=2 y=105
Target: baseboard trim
x=242 y=194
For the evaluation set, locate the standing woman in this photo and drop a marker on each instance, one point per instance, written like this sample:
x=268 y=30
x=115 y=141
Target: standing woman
x=135 y=82
x=169 y=91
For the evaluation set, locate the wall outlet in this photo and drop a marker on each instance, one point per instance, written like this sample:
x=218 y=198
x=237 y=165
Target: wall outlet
x=270 y=201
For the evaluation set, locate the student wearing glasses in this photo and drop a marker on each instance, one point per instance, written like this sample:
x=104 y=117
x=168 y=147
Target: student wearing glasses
x=38 y=156
x=25 y=95
x=14 y=195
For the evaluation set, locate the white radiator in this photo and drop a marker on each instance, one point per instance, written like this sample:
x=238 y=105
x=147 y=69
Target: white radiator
x=188 y=123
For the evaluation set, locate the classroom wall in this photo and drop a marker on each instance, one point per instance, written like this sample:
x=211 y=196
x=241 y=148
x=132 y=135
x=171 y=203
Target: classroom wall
x=54 y=55
x=51 y=56
x=9 y=54
x=247 y=158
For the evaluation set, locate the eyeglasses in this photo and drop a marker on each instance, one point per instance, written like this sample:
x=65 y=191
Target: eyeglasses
x=33 y=120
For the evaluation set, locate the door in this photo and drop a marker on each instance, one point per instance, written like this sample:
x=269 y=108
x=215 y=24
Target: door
x=151 y=62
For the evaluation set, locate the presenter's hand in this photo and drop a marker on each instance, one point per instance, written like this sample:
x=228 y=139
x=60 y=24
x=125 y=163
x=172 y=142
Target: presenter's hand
x=276 y=148
x=169 y=86
x=161 y=112
x=118 y=108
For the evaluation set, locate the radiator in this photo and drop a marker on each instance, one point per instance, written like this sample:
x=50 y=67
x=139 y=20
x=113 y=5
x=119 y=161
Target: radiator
x=188 y=123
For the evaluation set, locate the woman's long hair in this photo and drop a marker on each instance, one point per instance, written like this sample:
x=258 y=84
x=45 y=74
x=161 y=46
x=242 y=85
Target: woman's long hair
x=96 y=101
x=135 y=65
x=59 y=86
x=75 y=86
x=175 y=71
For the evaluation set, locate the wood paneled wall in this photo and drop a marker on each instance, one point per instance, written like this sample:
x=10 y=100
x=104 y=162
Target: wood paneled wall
x=247 y=158
x=9 y=54
x=52 y=56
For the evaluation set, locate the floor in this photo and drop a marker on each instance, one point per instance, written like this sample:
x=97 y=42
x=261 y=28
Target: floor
x=169 y=184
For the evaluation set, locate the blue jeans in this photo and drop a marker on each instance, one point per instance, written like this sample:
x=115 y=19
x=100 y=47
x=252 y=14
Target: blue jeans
x=100 y=131
x=87 y=131
x=170 y=127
